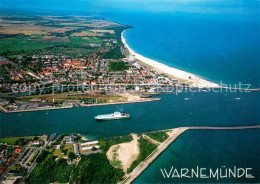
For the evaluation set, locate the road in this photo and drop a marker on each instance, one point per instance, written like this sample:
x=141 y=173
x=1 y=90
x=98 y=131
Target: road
x=31 y=168
x=20 y=154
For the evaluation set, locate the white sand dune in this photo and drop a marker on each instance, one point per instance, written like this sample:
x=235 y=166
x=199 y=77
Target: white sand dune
x=195 y=80
x=126 y=153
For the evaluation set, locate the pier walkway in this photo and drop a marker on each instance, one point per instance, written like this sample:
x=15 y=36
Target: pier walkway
x=174 y=134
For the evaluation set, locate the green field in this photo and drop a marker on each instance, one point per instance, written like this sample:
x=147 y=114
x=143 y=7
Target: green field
x=19 y=44
x=57 y=152
x=62 y=35
x=12 y=140
x=79 y=41
x=106 y=143
x=158 y=136
x=27 y=43
x=58 y=35
x=115 y=162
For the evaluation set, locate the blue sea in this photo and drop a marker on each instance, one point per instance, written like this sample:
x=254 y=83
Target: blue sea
x=203 y=148
x=217 y=40
x=210 y=150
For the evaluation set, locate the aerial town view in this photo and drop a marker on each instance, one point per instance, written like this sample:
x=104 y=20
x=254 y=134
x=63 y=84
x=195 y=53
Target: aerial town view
x=76 y=53
x=129 y=92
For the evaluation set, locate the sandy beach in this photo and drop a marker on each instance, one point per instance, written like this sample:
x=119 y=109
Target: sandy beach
x=179 y=74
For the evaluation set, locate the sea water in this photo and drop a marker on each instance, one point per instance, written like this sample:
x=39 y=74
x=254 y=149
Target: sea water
x=217 y=40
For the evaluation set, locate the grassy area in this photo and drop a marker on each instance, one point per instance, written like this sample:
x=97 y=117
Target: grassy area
x=114 y=162
x=58 y=152
x=9 y=140
x=18 y=44
x=146 y=148
x=51 y=35
x=12 y=140
x=79 y=41
x=27 y=43
x=69 y=148
x=107 y=142
x=158 y=136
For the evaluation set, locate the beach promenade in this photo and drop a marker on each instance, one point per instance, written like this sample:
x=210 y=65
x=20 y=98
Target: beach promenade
x=173 y=135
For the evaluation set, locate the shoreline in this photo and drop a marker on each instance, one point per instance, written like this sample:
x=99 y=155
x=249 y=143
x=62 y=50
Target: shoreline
x=174 y=72
x=81 y=104
x=32 y=110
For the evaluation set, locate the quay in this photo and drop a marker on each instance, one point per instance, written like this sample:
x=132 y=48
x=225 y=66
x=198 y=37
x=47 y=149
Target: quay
x=3 y=109
x=77 y=105
x=117 y=103
x=175 y=133
x=38 y=109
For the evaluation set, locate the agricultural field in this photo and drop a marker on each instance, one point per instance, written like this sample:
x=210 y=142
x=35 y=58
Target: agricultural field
x=57 y=35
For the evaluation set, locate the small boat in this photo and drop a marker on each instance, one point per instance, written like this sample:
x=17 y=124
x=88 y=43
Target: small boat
x=186 y=99
x=237 y=98
x=145 y=95
x=204 y=90
x=113 y=116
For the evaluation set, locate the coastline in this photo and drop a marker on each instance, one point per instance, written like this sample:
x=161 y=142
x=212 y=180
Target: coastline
x=37 y=109
x=194 y=80
x=81 y=104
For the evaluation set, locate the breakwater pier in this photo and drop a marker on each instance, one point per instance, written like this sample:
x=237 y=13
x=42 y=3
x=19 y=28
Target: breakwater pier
x=173 y=135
